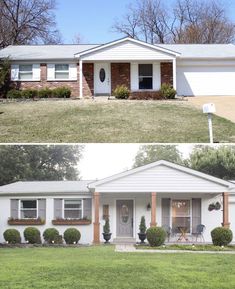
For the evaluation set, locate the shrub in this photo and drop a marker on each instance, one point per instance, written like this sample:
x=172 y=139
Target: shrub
x=29 y=93
x=14 y=93
x=72 y=236
x=221 y=236
x=106 y=227
x=12 y=236
x=32 y=235
x=51 y=234
x=121 y=92
x=45 y=93
x=142 y=226
x=61 y=92
x=167 y=91
x=5 y=79
x=156 y=236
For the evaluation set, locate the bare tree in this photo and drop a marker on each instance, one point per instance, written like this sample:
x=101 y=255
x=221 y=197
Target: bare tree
x=28 y=21
x=188 y=21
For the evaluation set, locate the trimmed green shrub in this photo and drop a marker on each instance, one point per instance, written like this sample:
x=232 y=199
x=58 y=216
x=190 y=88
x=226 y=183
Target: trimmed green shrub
x=121 y=92
x=167 y=91
x=106 y=227
x=72 y=236
x=32 y=235
x=142 y=226
x=12 y=236
x=29 y=93
x=221 y=236
x=61 y=92
x=14 y=93
x=45 y=93
x=156 y=236
x=51 y=235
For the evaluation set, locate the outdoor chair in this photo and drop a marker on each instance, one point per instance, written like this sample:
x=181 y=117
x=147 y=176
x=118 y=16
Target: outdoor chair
x=168 y=231
x=200 y=229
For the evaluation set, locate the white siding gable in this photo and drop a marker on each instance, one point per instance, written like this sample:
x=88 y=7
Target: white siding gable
x=127 y=51
x=161 y=179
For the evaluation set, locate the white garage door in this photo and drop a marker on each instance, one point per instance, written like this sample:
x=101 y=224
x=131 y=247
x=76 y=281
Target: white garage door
x=206 y=80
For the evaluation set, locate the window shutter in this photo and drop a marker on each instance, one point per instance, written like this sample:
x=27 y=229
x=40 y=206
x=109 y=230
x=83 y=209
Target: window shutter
x=87 y=208
x=166 y=212
x=36 y=72
x=196 y=214
x=42 y=209
x=73 y=71
x=50 y=71
x=58 y=214
x=15 y=209
x=14 y=72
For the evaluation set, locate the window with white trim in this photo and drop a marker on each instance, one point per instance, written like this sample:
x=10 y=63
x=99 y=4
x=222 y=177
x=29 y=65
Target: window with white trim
x=25 y=71
x=61 y=71
x=28 y=209
x=73 y=209
x=181 y=216
x=145 y=76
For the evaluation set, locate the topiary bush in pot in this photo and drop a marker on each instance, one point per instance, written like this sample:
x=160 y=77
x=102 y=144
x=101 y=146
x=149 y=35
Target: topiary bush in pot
x=142 y=228
x=221 y=236
x=106 y=231
x=156 y=236
x=51 y=235
x=12 y=236
x=121 y=92
x=72 y=236
x=167 y=91
x=32 y=235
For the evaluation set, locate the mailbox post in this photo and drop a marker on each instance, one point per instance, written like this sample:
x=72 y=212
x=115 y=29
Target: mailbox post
x=209 y=108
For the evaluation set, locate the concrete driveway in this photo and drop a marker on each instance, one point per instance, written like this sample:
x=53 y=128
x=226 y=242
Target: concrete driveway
x=225 y=105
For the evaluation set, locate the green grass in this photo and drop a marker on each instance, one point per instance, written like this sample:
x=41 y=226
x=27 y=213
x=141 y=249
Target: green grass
x=101 y=267
x=108 y=121
x=196 y=247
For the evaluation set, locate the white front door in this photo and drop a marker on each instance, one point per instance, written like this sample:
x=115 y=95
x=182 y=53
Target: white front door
x=102 y=79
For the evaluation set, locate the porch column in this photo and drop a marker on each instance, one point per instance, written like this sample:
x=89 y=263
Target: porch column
x=153 y=210
x=174 y=73
x=96 y=239
x=226 y=223
x=80 y=80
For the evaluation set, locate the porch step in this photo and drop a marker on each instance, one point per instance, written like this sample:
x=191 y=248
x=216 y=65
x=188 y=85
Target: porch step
x=124 y=241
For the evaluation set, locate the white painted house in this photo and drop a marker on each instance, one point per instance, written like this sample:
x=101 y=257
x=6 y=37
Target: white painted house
x=93 y=70
x=165 y=193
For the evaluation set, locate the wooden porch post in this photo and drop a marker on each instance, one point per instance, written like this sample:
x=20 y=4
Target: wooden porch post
x=153 y=210
x=80 y=79
x=226 y=223
x=174 y=73
x=96 y=239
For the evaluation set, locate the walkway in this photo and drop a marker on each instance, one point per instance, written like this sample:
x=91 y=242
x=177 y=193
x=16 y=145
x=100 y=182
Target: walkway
x=225 y=105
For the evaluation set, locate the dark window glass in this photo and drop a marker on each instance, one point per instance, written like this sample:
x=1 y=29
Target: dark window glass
x=145 y=76
x=145 y=70
x=102 y=75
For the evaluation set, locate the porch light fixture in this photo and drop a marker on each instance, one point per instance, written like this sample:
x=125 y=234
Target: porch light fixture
x=148 y=206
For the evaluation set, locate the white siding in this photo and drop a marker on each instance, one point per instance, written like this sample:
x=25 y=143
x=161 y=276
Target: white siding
x=127 y=51
x=208 y=78
x=161 y=179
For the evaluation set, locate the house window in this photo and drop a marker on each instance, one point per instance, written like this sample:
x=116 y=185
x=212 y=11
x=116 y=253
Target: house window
x=28 y=209
x=26 y=72
x=73 y=209
x=61 y=71
x=181 y=215
x=145 y=76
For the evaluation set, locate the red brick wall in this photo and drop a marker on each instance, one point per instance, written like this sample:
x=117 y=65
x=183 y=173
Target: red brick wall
x=120 y=75
x=167 y=73
x=88 y=81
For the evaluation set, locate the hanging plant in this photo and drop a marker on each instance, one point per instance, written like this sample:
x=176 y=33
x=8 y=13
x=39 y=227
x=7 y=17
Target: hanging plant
x=211 y=207
x=217 y=206
x=214 y=206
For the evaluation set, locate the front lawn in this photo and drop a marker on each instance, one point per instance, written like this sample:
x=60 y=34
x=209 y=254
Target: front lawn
x=101 y=267
x=192 y=247
x=108 y=121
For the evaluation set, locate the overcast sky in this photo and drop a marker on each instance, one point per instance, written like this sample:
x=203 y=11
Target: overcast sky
x=103 y=160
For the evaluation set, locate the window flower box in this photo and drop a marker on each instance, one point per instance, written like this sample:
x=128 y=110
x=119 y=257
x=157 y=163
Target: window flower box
x=71 y=222
x=31 y=222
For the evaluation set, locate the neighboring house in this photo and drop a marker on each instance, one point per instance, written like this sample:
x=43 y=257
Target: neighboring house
x=165 y=193
x=192 y=69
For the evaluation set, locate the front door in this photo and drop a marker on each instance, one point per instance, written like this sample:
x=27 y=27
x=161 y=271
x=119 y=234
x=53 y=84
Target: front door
x=124 y=218
x=102 y=79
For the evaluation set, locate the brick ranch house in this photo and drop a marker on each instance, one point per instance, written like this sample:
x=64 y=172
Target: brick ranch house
x=165 y=193
x=93 y=70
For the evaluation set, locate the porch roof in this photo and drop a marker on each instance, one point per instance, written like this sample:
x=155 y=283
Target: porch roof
x=161 y=177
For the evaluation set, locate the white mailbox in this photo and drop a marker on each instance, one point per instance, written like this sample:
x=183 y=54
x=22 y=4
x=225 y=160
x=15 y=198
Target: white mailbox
x=208 y=108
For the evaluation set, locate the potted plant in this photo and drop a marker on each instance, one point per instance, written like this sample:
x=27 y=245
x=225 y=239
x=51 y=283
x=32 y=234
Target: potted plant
x=106 y=231
x=142 y=228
